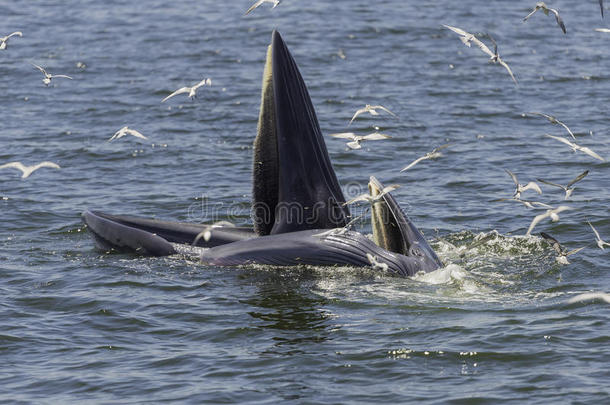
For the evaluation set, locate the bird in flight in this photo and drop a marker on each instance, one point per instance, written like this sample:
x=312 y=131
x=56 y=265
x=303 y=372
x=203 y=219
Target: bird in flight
x=541 y=6
x=576 y=147
x=192 y=91
x=4 y=40
x=47 y=76
x=554 y=120
x=552 y=213
x=371 y=109
x=126 y=131
x=494 y=56
x=561 y=251
x=600 y=242
x=373 y=199
x=521 y=188
x=27 y=170
x=567 y=188
x=430 y=155
x=356 y=139
x=260 y=2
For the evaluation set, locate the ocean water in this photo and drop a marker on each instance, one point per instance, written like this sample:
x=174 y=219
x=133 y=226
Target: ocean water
x=500 y=323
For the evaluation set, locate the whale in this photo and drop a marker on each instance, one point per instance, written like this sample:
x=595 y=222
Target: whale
x=298 y=209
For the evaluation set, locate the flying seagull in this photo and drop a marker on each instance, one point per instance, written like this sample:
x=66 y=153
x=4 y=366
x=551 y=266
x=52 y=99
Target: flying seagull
x=47 y=76
x=192 y=91
x=27 y=170
x=554 y=120
x=356 y=139
x=260 y=2
x=541 y=6
x=553 y=213
x=521 y=188
x=4 y=40
x=561 y=251
x=576 y=147
x=206 y=234
x=567 y=188
x=599 y=241
x=371 y=109
x=430 y=155
x=126 y=131
x=373 y=199
x=494 y=56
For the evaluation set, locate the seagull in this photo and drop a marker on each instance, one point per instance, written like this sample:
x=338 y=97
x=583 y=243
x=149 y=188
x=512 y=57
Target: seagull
x=576 y=147
x=371 y=109
x=590 y=296
x=521 y=188
x=430 y=155
x=4 y=40
x=527 y=203
x=192 y=91
x=567 y=188
x=260 y=2
x=206 y=234
x=373 y=199
x=602 y=29
x=563 y=254
x=126 y=131
x=549 y=213
x=342 y=230
x=494 y=57
x=541 y=6
x=554 y=120
x=356 y=139
x=48 y=76
x=27 y=170
x=600 y=242
x=377 y=265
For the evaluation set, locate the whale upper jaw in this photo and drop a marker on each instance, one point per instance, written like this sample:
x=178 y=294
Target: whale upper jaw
x=294 y=185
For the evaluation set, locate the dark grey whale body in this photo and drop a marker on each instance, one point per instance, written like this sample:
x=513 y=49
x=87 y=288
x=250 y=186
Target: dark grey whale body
x=298 y=207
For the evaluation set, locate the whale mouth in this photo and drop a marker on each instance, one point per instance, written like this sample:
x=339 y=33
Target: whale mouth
x=294 y=185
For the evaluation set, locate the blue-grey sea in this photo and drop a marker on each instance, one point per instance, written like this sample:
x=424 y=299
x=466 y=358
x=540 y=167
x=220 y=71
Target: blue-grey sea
x=500 y=323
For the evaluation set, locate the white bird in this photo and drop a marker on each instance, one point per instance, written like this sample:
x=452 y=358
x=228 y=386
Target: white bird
x=126 y=131
x=541 y=6
x=206 y=234
x=47 y=76
x=527 y=203
x=567 y=188
x=373 y=199
x=602 y=29
x=356 y=139
x=430 y=155
x=561 y=252
x=576 y=147
x=554 y=120
x=553 y=213
x=192 y=91
x=27 y=170
x=494 y=56
x=600 y=243
x=521 y=188
x=377 y=265
x=371 y=109
x=4 y=40
x=260 y=2
x=590 y=296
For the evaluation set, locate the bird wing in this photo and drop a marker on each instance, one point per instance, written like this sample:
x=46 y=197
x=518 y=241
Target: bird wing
x=483 y=47
x=533 y=186
x=566 y=127
x=539 y=204
x=590 y=152
x=578 y=178
x=601 y=7
x=44 y=72
x=357 y=113
x=64 y=76
x=375 y=136
x=530 y=14
x=510 y=72
x=344 y=135
x=135 y=133
x=457 y=30
x=14 y=165
x=562 y=140
x=362 y=197
x=179 y=91
x=389 y=188
x=602 y=29
x=535 y=221
x=511 y=174
x=416 y=161
x=548 y=117
x=440 y=147
x=571 y=252
x=202 y=83
x=18 y=33
x=561 y=208
x=594 y=230
x=384 y=109
x=551 y=183
x=554 y=242
x=559 y=20
x=47 y=164
x=258 y=3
